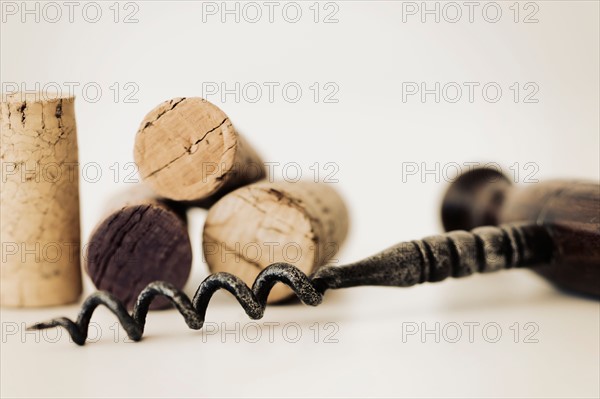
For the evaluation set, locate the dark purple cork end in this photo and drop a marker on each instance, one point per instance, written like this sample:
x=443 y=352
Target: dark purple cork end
x=136 y=246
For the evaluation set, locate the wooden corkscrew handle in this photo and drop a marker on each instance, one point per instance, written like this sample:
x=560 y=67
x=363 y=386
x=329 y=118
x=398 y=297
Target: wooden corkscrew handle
x=568 y=209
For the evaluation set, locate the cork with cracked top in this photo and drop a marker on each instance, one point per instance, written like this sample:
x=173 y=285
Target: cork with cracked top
x=39 y=201
x=301 y=223
x=187 y=149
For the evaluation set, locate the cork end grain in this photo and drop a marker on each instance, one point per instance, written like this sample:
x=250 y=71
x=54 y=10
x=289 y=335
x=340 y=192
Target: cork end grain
x=186 y=149
x=135 y=246
x=265 y=223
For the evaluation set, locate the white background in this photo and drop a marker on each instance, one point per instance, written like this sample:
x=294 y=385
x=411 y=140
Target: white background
x=175 y=49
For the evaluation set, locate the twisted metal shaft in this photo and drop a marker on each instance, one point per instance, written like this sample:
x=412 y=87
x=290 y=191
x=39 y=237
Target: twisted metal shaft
x=455 y=254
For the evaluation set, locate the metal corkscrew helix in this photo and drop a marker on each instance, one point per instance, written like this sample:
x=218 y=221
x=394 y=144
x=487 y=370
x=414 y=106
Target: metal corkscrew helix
x=454 y=254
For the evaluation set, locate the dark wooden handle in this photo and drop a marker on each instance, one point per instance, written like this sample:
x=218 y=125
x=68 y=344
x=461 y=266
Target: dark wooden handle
x=568 y=209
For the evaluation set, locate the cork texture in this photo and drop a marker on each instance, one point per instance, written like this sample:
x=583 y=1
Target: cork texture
x=40 y=230
x=187 y=149
x=140 y=242
x=300 y=223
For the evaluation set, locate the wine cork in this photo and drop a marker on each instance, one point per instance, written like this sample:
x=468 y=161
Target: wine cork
x=142 y=240
x=254 y=226
x=39 y=201
x=187 y=149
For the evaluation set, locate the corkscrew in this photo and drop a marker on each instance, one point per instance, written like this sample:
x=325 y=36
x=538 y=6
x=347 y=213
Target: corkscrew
x=551 y=227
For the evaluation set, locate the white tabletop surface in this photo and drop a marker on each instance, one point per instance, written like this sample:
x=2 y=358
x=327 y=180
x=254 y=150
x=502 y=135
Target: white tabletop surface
x=371 y=341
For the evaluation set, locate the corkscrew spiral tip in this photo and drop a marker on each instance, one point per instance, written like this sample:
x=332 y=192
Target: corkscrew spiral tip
x=253 y=301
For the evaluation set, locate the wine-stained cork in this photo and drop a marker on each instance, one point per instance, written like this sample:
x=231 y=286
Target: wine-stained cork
x=187 y=149
x=144 y=239
x=39 y=201
x=254 y=226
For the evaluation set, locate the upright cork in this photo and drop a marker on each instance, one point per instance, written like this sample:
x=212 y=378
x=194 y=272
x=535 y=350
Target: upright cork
x=39 y=201
x=301 y=223
x=187 y=149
